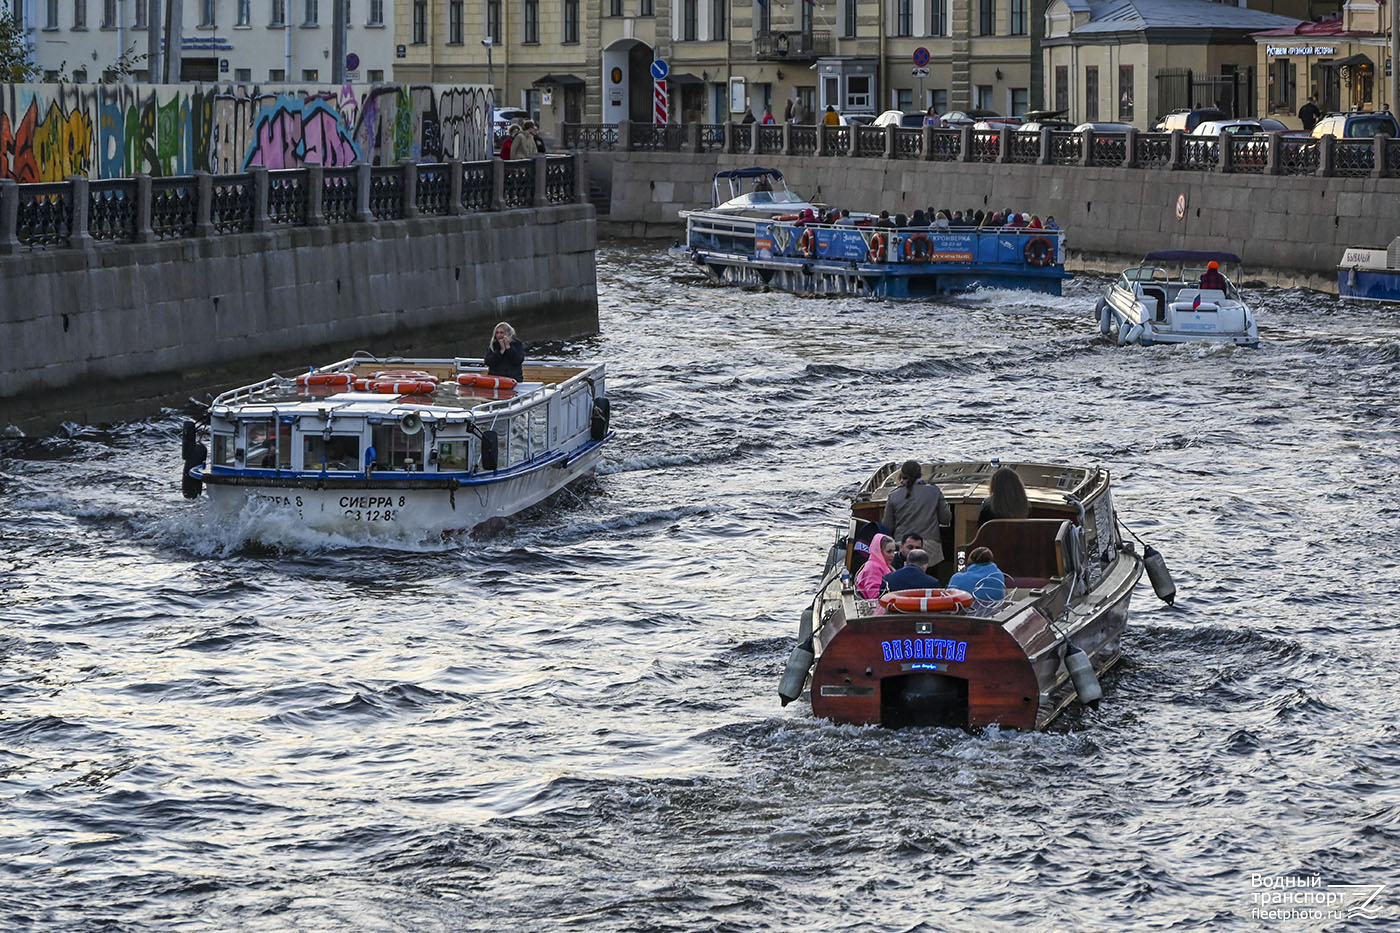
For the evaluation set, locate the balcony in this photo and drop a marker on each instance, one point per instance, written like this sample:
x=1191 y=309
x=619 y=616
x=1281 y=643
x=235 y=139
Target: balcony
x=777 y=45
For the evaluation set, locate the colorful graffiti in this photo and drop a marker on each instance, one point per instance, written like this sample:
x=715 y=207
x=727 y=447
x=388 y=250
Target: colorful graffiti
x=51 y=131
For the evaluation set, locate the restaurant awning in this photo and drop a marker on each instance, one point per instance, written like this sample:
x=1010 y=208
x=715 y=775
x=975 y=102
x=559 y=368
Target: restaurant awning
x=1358 y=59
x=684 y=78
x=564 y=80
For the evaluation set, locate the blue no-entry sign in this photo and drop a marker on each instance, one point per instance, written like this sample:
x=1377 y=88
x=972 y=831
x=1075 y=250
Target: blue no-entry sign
x=921 y=56
x=659 y=69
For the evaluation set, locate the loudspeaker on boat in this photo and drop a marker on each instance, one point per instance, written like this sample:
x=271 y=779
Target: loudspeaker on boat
x=411 y=423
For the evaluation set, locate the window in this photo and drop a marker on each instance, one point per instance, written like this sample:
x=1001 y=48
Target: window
x=858 y=92
x=646 y=8
x=395 y=450
x=848 y=19
x=420 y=22
x=206 y=13
x=245 y=12
x=267 y=448
x=1019 y=18
x=278 y=16
x=313 y=13
x=493 y=21
x=807 y=18
x=276 y=75
x=374 y=75
x=140 y=16
x=376 y=13
x=532 y=22
x=688 y=16
x=1062 y=87
x=310 y=74
x=719 y=10
x=570 y=22
x=904 y=99
x=243 y=74
x=938 y=18
x=341 y=452
x=986 y=17
x=904 y=18
x=452 y=456
x=349 y=19
x=51 y=16
x=984 y=97
x=50 y=76
x=109 y=14
x=940 y=100
x=454 y=22
x=79 y=17
x=80 y=76
x=1091 y=93
x=614 y=7
x=765 y=18
x=1020 y=97
x=223 y=450
x=1283 y=76
x=1125 y=93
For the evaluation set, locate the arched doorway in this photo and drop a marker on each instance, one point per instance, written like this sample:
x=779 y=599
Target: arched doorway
x=627 y=83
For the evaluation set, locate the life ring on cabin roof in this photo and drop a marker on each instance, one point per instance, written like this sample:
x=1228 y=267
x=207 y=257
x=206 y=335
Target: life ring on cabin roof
x=918 y=248
x=483 y=381
x=807 y=244
x=325 y=379
x=925 y=600
x=396 y=386
x=1040 y=252
x=877 y=248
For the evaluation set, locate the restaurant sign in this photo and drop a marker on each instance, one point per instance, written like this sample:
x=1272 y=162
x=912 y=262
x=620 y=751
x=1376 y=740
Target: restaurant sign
x=1272 y=50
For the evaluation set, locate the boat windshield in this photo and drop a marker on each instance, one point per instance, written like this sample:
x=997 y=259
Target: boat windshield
x=1181 y=276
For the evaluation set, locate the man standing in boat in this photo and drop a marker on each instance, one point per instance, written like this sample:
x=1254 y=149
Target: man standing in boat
x=919 y=507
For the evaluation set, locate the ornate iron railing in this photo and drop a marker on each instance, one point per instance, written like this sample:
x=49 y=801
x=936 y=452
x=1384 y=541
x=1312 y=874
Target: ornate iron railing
x=112 y=210
x=174 y=206
x=287 y=197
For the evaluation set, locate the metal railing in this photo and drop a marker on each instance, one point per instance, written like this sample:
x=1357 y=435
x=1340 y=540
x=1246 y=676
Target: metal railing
x=1265 y=153
x=79 y=212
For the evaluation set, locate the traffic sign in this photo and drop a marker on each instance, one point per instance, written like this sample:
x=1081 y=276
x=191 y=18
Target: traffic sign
x=352 y=62
x=661 y=108
x=919 y=72
x=659 y=69
x=921 y=56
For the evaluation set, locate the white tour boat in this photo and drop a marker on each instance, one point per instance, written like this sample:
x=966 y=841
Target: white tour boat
x=1160 y=301
x=370 y=446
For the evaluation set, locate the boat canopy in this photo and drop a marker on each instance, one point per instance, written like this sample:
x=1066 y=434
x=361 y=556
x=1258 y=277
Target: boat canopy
x=1191 y=255
x=754 y=172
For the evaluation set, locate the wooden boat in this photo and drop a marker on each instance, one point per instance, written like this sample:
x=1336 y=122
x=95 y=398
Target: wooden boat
x=369 y=446
x=1014 y=661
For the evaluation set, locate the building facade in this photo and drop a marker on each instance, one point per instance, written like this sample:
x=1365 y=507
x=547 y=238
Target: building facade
x=236 y=41
x=590 y=60
x=1340 y=62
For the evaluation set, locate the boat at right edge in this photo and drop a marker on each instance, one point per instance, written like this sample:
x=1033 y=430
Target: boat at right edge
x=1017 y=662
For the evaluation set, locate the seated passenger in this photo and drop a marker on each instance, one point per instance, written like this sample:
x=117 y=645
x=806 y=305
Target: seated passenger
x=1212 y=278
x=871 y=575
x=763 y=184
x=1007 y=499
x=982 y=578
x=919 y=218
x=912 y=576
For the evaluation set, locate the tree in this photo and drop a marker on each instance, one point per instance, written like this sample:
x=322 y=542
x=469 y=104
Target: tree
x=15 y=66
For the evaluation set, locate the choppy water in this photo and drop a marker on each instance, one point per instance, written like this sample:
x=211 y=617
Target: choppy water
x=574 y=724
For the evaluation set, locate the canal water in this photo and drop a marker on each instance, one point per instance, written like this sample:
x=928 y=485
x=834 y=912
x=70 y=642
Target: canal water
x=574 y=723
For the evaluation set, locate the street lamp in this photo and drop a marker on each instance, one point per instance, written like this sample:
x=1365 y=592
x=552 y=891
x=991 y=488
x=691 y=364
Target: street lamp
x=490 y=69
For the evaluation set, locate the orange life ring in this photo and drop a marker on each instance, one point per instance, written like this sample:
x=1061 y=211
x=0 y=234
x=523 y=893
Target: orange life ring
x=324 y=379
x=396 y=386
x=807 y=244
x=918 y=248
x=1040 y=251
x=877 y=248
x=483 y=381
x=416 y=374
x=926 y=600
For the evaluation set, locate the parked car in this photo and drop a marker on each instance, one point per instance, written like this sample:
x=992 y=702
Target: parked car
x=1233 y=127
x=956 y=118
x=1270 y=125
x=1188 y=120
x=1104 y=127
x=996 y=123
x=1361 y=124
x=899 y=118
x=503 y=117
x=856 y=119
x=1035 y=126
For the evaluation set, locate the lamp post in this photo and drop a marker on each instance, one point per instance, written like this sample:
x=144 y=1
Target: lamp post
x=490 y=70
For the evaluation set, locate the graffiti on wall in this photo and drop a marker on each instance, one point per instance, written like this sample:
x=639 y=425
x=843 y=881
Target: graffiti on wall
x=51 y=131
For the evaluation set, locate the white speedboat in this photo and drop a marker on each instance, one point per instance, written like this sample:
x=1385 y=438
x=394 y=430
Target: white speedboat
x=371 y=447
x=1160 y=300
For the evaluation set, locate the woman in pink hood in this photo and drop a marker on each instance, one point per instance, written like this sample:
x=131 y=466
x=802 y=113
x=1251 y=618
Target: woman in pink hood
x=872 y=572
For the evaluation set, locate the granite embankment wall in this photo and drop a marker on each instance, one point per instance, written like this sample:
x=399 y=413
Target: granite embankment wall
x=1289 y=229
x=93 y=334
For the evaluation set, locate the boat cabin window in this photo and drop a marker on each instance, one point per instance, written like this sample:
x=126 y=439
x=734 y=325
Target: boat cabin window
x=223 y=450
x=539 y=431
x=341 y=452
x=452 y=456
x=519 y=445
x=395 y=450
x=267 y=448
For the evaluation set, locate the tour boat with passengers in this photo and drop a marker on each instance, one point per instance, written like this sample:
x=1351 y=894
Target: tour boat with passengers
x=765 y=235
x=946 y=657
x=369 y=446
x=1161 y=300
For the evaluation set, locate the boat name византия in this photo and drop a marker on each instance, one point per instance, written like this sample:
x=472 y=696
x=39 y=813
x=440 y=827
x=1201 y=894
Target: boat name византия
x=765 y=235
x=373 y=447
x=1016 y=654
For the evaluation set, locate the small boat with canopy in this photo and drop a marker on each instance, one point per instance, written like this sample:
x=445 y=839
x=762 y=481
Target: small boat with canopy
x=1166 y=298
